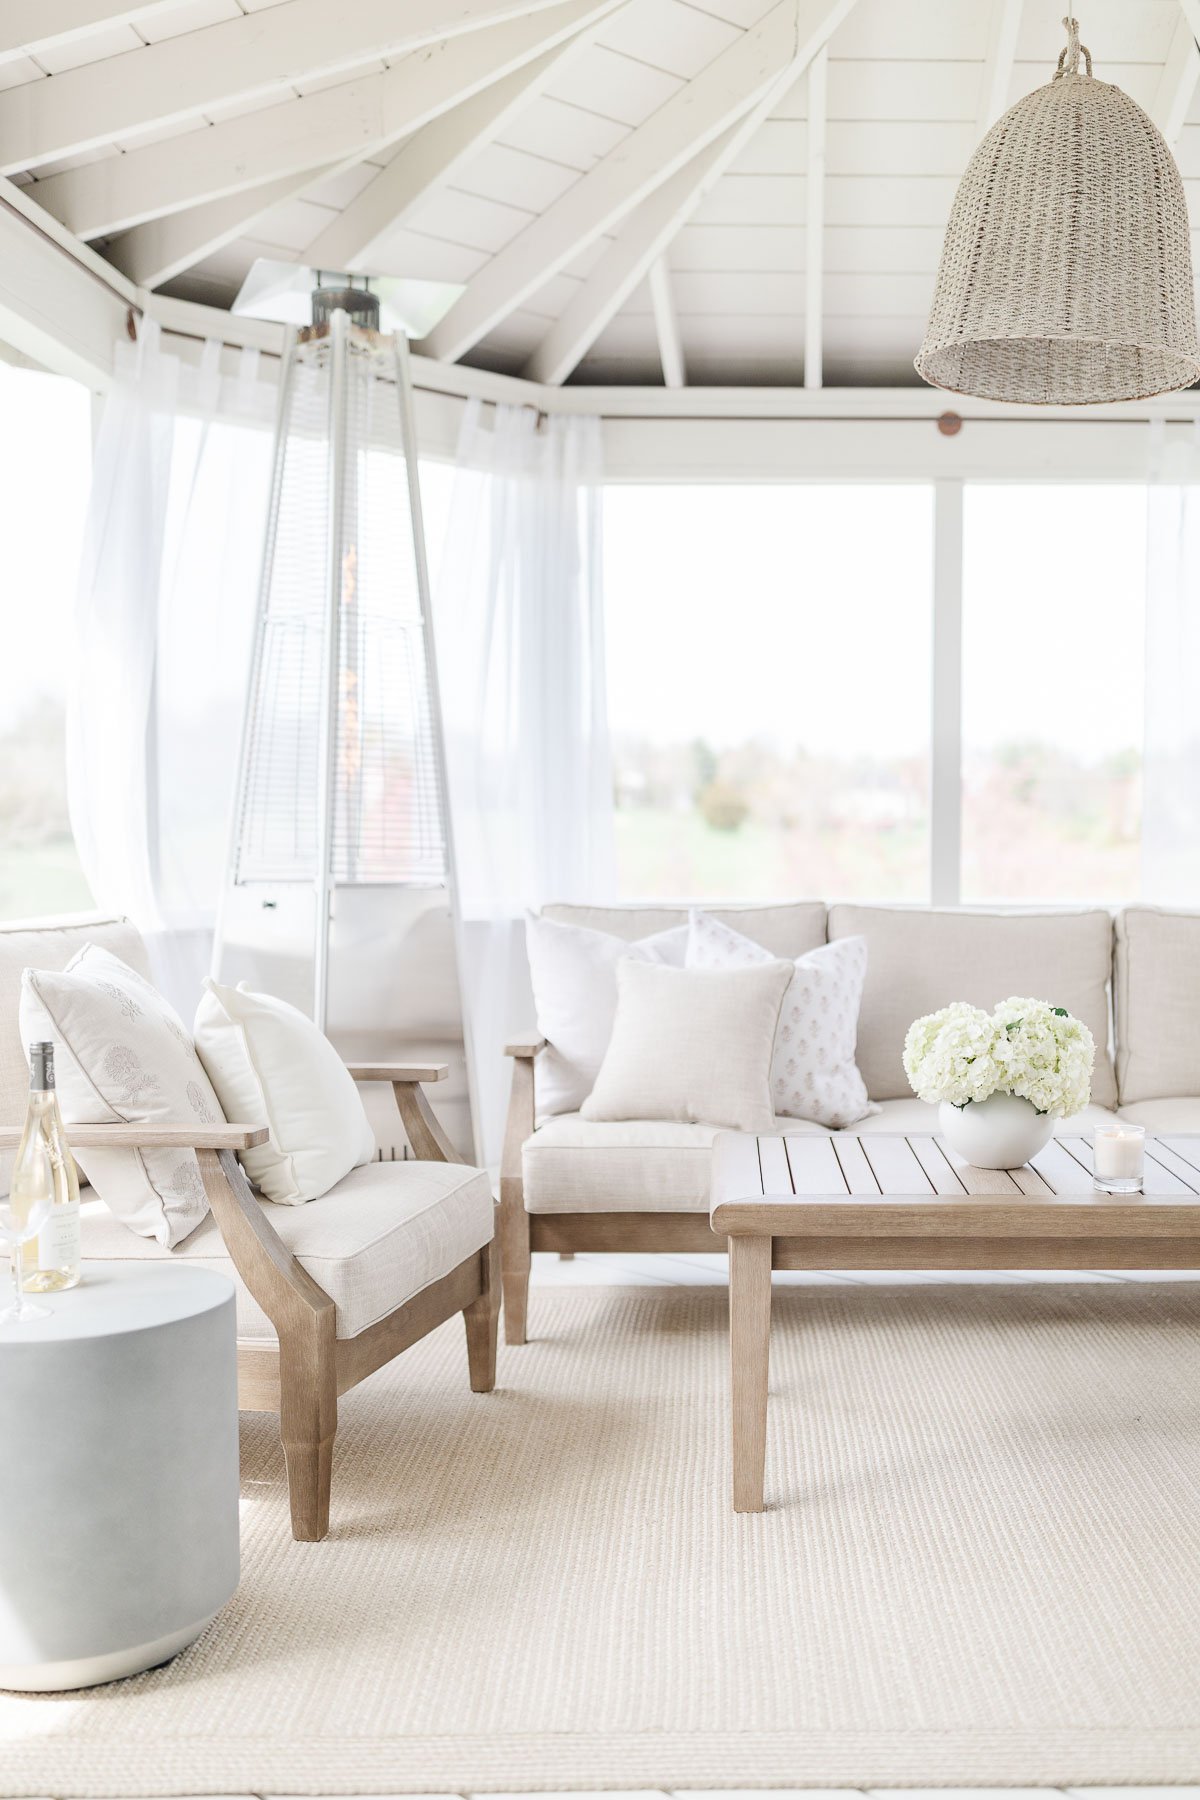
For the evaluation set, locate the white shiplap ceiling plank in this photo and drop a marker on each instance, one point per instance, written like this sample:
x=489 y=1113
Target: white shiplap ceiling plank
x=1180 y=76
x=182 y=76
x=998 y=68
x=616 y=86
x=814 y=218
x=668 y=35
x=157 y=251
x=341 y=124
x=724 y=91
x=666 y=326
x=564 y=133
x=432 y=157
x=41 y=25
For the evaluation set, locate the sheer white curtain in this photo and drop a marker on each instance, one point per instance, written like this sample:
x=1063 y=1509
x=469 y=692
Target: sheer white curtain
x=165 y=608
x=1171 y=782
x=519 y=615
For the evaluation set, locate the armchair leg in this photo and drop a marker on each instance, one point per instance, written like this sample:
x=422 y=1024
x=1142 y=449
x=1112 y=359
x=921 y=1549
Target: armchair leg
x=482 y=1320
x=308 y=1423
x=516 y=1258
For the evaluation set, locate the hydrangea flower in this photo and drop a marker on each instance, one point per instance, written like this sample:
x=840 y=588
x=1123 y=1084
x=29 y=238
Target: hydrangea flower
x=1025 y=1047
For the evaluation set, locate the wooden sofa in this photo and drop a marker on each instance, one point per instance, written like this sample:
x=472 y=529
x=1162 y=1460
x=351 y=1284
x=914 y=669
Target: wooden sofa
x=327 y=1292
x=570 y=1184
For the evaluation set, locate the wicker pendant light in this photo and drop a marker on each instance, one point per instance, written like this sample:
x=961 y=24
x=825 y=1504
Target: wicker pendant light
x=1066 y=274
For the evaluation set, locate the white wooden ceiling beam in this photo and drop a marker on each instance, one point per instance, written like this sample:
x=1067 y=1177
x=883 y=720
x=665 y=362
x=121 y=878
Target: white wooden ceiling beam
x=997 y=70
x=814 y=221
x=345 y=123
x=428 y=160
x=160 y=249
x=264 y=52
x=53 y=307
x=666 y=325
x=1180 y=76
x=27 y=26
x=791 y=33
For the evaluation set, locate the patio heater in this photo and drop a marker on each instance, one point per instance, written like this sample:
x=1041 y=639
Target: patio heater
x=341 y=843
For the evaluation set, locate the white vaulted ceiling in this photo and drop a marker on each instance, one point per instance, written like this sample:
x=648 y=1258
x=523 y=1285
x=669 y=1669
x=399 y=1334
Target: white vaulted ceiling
x=622 y=185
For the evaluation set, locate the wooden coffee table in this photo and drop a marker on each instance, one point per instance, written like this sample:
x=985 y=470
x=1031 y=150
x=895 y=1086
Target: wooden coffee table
x=840 y=1201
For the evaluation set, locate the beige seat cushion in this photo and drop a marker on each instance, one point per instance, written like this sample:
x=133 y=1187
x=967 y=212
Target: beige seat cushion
x=48 y=944
x=1157 y=998
x=1178 y=1115
x=920 y=960
x=647 y=1166
x=789 y=931
x=381 y=1235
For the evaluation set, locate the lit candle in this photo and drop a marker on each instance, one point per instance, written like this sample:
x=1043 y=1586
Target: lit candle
x=1118 y=1157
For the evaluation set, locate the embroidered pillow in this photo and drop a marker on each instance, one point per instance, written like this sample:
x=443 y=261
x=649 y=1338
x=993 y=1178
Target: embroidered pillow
x=691 y=1045
x=813 y=1071
x=574 y=975
x=123 y=1055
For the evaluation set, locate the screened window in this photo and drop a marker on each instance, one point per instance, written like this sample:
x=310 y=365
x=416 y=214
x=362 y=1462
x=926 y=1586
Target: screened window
x=45 y=472
x=768 y=675
x=1054 y=596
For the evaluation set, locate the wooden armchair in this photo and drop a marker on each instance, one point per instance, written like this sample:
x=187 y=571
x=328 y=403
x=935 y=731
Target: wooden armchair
x=301 y=1374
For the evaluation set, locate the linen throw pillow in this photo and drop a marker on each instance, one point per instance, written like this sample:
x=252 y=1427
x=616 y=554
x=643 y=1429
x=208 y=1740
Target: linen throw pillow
x=574 y=975
x=813 y=1071
x=691 y=1044
x=270 y=1065
x=123 y=1054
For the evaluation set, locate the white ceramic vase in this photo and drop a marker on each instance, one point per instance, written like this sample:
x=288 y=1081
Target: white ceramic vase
x=998 y=1133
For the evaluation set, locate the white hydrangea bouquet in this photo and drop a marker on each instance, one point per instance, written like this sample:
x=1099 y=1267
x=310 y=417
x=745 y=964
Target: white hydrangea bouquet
x=1018 y=1069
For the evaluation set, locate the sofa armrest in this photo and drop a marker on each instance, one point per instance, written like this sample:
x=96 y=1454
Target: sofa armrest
x=525 y=1047
x=394 y=1072
x=151 y=1137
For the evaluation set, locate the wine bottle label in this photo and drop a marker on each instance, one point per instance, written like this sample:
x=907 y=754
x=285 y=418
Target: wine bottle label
x=58 y=1244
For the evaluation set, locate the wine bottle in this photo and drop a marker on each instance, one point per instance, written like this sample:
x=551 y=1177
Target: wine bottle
x=51 y=1260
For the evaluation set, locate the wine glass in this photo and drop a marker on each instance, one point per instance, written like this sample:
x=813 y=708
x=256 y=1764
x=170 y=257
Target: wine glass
x=18 y=1224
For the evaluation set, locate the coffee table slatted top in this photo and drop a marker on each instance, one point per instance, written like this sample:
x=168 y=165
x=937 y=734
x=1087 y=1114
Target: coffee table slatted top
x=837 y=1182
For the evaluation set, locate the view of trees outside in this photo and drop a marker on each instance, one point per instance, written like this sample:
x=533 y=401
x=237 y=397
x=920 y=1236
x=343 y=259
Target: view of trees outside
x=768 y=681
x=768 y=669
x=45 y=470
x=1054 y=596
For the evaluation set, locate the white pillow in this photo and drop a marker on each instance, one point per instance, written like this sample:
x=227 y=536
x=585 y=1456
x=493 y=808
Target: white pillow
x=123 y=1054
x=574 y=975
x=813 y=1071
x=271 y=1066
x=691 y=1044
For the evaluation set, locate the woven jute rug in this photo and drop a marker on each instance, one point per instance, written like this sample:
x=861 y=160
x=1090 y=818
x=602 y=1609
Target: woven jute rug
x=980 y=1565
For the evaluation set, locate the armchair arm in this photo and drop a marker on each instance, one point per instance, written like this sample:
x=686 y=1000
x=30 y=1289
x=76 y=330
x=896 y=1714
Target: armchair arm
x=151 y=1137
x=526 y=1047
x=395 y=1072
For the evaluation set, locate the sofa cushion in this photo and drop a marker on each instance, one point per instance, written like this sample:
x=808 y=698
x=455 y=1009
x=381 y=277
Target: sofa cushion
x=48 y=944
x=919 y=960
x=786 y=931
x=1178 y=1116
x=385 y=1232
x=572 y=1164
x=1157 y=1002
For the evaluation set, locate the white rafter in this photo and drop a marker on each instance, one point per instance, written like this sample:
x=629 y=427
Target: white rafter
x=182 y=77
x=789 y=35
x=814 y=221
x=336 y=125
x=58 y=304
x=997 y=70
x=27 y=26
x=1181 y=73
x=428 y=160
x=162 y=248
x=666 y=325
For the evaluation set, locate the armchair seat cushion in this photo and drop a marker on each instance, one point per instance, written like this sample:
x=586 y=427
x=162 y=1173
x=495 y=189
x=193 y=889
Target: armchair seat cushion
x=381 y=1235
x=574 y=1165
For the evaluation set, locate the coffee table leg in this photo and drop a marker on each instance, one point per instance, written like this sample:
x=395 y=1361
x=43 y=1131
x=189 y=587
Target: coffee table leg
x=749 y=1349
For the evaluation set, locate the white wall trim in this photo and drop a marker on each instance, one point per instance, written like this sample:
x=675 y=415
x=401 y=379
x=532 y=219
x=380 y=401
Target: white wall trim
x=945 y=710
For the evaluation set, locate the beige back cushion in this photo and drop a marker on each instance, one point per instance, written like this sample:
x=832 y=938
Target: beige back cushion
x=790 y=930
x=1157 y=1002
x=51 y=944
x=921 y=960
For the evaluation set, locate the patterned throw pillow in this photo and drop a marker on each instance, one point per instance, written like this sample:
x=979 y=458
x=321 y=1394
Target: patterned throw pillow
x=122 y=1054
x=813 y=1071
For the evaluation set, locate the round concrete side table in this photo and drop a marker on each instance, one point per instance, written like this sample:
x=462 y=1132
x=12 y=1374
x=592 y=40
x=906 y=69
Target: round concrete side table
x=118 y=1474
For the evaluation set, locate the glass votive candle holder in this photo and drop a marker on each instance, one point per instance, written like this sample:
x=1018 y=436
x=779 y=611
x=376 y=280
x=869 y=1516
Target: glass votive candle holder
x=1119 y=1158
